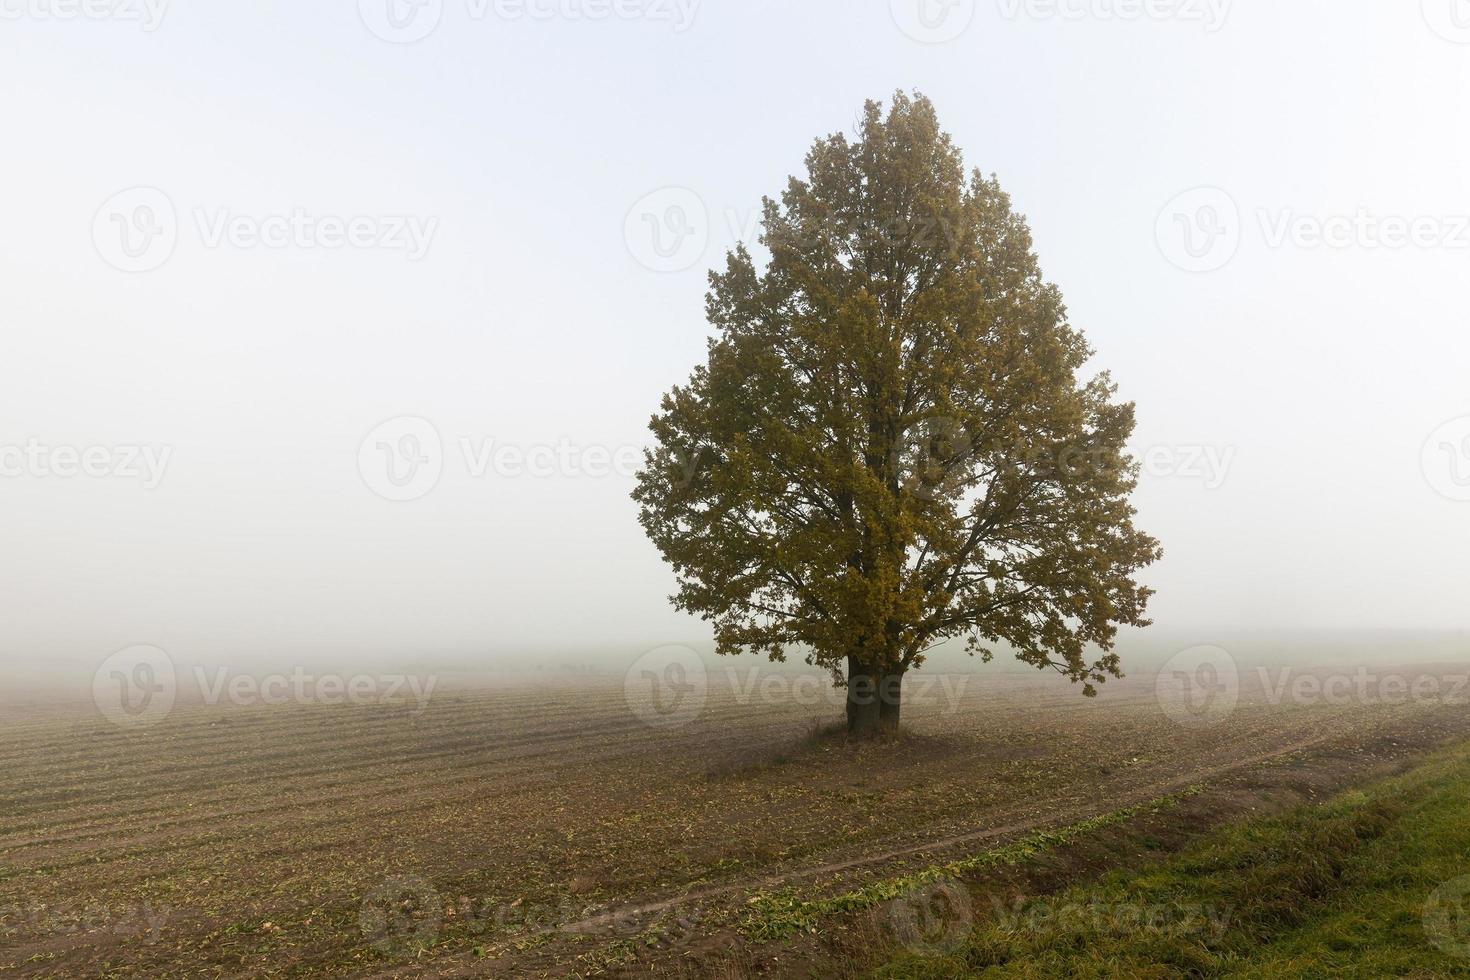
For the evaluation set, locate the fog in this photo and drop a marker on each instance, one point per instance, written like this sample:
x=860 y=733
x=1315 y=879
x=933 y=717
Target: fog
x=325 y=343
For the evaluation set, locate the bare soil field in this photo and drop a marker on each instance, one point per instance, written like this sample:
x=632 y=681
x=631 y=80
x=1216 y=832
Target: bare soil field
x=544 y=829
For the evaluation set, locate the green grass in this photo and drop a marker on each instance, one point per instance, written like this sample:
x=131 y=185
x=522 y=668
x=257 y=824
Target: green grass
x=1334 y=890
x=776 y=915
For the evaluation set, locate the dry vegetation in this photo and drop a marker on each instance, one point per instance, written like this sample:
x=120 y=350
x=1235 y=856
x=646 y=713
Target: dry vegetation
x=544 y=829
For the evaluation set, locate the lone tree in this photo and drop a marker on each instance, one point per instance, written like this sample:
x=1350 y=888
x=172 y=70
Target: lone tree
x=890 y=446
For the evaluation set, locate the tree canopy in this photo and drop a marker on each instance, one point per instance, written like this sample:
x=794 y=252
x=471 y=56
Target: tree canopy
x=892 y=443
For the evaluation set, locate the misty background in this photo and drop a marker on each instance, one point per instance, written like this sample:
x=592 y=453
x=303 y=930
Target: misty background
x=542 y=197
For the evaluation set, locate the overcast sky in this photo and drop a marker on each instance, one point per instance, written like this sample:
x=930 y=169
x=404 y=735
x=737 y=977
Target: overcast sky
x=238 y=239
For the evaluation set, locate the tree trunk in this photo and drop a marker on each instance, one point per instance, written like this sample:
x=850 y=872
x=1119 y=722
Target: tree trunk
x=890 y=701
x=862 y=700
